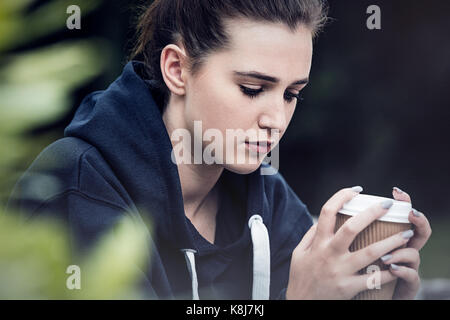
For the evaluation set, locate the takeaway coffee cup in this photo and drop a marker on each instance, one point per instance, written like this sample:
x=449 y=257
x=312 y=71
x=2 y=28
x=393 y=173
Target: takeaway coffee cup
x=394 y=221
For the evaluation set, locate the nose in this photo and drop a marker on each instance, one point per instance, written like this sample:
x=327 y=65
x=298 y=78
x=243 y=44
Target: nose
x=274 y=117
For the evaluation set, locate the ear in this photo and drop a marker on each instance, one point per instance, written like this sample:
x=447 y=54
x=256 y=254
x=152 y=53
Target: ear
x=173 y=64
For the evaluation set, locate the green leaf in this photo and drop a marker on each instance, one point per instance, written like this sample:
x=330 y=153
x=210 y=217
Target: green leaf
x=36 y=86
x=18 y=28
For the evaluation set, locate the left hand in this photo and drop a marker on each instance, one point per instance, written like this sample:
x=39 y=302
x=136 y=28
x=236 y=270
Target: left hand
x=408 y=283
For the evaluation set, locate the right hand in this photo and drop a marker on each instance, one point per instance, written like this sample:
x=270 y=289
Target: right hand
x=322 y=267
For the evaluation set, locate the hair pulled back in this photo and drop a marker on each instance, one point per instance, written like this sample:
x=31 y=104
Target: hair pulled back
x=199 y=25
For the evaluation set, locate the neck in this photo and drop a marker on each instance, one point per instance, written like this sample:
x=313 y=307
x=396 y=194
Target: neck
x=197 y=180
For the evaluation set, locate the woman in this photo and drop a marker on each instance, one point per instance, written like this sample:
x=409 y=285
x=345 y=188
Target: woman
x=222 y=229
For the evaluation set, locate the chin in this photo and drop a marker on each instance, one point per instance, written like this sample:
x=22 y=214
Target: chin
x=242 y=168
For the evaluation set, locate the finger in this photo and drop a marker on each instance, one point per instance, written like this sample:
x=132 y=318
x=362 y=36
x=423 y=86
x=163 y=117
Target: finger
x=372 y=280
x=422 y=225
x=307 y=238
x=373 y=252
x=400 y=195
x=407 y=274
x=327 y=218
x=422 y=229
x=408 y=256
x=352 y=227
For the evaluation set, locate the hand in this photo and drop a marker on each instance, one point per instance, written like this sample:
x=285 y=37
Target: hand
x=408 y=283
x=322 y=266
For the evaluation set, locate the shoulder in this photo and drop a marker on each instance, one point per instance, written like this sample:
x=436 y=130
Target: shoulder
x=68 y=165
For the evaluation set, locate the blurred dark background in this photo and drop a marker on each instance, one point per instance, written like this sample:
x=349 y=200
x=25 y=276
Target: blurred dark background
x=375 y=113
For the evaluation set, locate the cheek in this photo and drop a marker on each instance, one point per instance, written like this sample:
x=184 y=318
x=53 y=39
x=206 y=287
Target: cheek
x=221 y=107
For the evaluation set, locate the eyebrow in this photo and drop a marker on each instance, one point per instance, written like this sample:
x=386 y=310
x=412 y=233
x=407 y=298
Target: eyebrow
x=262 y=76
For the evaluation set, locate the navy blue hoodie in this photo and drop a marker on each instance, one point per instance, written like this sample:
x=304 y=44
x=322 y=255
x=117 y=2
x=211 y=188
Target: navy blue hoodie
x=115 y=157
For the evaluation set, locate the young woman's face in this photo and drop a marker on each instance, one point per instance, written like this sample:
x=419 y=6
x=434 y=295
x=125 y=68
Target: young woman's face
x=250 y=87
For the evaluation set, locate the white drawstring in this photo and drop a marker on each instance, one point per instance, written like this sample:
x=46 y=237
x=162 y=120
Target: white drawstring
x=261 y=261
x=261 y=258
x=190 y=261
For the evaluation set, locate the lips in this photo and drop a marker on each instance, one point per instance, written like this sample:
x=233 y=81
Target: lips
x=260 y=143
x=259 y=146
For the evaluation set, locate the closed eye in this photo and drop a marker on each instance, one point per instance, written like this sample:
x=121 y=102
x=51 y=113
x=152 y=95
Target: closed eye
x=253 y=93
x=289 y=96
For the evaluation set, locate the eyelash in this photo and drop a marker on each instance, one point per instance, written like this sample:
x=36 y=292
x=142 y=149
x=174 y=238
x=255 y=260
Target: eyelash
x=253 y=93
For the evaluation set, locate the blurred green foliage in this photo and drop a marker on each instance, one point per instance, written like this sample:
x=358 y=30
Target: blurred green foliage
x=35 y=256
x=19 y=27
x=36 y=85
x=36 y=88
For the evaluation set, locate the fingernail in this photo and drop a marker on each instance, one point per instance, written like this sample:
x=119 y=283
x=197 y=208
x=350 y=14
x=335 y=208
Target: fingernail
x=407 y=234
x=394 y=266
x=386 y=257
x=357 y=189
x=416 y=213
x=398 y=190
x=387 y=204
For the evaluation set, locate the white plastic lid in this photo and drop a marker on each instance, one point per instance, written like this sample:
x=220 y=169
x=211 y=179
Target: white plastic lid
x=397 y=213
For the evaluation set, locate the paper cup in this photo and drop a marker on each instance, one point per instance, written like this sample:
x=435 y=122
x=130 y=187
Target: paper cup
x=394 y=221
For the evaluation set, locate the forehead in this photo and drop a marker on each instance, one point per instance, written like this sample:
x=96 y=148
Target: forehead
x=267 y=47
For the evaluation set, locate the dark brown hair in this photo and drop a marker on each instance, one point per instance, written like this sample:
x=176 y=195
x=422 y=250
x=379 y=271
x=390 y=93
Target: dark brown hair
x=199 y=26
